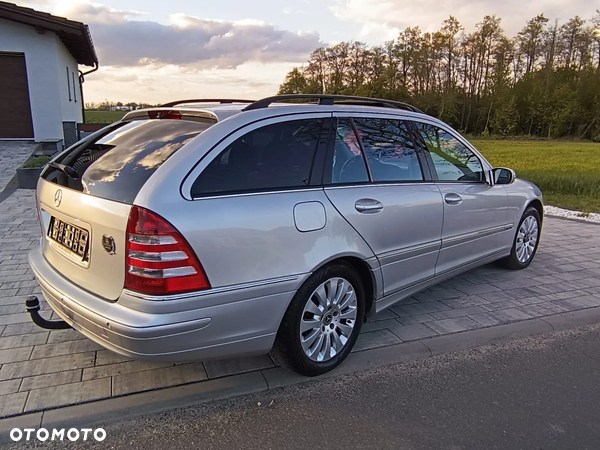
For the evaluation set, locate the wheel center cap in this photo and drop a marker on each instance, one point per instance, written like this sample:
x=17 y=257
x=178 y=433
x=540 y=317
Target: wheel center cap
x=327 y=319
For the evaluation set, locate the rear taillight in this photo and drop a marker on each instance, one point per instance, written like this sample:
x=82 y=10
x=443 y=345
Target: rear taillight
x=159 y=260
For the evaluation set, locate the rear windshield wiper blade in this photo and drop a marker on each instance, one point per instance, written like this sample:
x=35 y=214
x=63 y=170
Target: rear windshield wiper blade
x=67 y=170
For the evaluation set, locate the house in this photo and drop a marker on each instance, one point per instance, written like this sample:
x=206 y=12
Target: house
x=41 y=96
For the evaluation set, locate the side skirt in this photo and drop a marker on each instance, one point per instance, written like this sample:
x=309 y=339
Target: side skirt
x=391 y=299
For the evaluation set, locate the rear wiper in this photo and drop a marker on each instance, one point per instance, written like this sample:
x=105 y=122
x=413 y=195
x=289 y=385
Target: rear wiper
x=68 y=170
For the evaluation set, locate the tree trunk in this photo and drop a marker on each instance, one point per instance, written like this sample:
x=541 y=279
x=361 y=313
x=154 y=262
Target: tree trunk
x=530 y=125
x=487 y=122
x=468 y=117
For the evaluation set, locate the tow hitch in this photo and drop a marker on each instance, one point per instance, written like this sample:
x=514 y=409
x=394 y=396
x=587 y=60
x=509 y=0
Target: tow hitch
x=33 y=307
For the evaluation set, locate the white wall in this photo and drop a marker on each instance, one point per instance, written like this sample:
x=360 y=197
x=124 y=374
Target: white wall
x=71 y=109
x=46 y=59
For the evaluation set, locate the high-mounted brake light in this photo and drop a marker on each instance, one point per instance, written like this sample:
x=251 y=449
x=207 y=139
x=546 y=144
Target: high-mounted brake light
x=169 y=114
x=159 y=261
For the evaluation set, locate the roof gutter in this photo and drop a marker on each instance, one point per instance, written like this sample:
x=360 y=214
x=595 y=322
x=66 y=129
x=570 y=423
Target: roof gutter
x=81 y=81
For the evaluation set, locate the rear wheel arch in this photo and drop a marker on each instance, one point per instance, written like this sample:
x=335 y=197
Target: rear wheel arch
x=365 y=274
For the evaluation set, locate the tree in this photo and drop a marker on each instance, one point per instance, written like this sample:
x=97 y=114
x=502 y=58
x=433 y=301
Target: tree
x=530 y=41
x=544 y=82
x=295 y=83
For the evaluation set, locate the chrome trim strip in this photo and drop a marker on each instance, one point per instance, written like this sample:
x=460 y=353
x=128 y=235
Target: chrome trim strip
x=218 y=290
x=376 y=184
x=475 y=263
x=415 y=250
x=461 y=239
x=246 y=194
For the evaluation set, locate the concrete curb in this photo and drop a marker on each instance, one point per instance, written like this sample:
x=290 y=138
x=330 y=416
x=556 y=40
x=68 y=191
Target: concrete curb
x=572 y=219
x=104 y=412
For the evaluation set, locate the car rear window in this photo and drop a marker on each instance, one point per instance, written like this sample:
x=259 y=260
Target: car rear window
x=116 y=165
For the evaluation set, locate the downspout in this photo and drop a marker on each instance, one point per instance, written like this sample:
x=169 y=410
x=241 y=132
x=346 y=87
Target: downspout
x=81 y=81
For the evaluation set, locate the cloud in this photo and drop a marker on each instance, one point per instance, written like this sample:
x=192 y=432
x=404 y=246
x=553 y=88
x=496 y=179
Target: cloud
x=203 y=43
x=93 y=13
x=382 y=18
x=122 y=40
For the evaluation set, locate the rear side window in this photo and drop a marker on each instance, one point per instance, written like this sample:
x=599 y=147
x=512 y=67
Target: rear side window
x=390 y=150
x=116 y=165
x=276 y=156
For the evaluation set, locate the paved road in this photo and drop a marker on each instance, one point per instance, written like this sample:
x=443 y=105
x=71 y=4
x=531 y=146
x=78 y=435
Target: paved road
x=533 y=393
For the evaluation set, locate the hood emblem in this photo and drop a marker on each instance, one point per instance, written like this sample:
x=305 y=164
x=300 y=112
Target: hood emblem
x=109 y=245
x=57 y=198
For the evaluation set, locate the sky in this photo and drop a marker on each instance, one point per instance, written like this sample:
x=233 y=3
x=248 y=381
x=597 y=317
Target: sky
x=158 y=51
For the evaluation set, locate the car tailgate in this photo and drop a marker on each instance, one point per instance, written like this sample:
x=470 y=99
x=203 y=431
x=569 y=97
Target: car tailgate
x=84 y=238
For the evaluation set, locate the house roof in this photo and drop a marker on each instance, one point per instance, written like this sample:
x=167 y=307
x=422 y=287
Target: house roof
x=75 y=35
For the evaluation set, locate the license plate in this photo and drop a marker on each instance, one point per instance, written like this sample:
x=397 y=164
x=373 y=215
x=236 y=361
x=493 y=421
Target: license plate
x=69 y=237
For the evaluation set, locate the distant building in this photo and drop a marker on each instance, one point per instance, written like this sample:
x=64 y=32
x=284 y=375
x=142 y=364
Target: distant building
x=41 y=97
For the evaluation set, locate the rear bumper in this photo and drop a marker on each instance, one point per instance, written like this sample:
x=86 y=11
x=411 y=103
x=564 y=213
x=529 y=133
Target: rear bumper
x=239 y=322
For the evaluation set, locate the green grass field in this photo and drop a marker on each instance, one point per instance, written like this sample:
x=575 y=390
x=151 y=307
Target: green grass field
x=567 y=172
x=103 y=116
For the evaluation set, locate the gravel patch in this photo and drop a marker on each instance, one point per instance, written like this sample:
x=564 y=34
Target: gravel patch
x=570 y=214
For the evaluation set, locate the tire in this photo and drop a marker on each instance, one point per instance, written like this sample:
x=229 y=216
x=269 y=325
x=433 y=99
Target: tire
x=518 y=260
x=338 y=324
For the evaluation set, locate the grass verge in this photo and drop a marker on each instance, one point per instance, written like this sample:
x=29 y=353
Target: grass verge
x=104 y=116
x=36 y=161
x=567 y=172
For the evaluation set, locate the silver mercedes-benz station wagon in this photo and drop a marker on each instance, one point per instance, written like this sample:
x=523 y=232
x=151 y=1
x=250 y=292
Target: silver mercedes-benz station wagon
x=219 y=228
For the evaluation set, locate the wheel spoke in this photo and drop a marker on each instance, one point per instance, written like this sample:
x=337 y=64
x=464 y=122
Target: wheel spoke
x=340 y=291
x=321 y=297
x=306 y=325
x=348 y=300
x=346 y=330
x=316 y=347
x=337 y=342
x=313 y=309
x=348 y=313
x=325 y=352
x=309 y=341
x=520 y=252
x=330 y=289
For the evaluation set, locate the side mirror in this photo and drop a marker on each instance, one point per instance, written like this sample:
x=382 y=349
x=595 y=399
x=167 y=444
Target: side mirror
x=503 y=175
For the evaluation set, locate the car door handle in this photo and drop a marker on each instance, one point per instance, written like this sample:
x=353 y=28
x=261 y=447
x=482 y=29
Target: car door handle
x=453 y=199
x=368 y=206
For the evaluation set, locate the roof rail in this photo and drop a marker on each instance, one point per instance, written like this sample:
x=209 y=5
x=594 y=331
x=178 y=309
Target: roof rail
x=327 y=99
x=206 y=100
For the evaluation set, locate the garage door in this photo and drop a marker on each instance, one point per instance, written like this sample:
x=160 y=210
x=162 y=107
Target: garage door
x=15 y=111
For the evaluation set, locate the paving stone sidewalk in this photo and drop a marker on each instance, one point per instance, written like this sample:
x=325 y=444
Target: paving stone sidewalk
x=41 y=369
x=13 y=155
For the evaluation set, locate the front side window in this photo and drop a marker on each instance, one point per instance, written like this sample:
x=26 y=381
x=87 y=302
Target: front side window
x=453 y=161
x=272 y=157
x=348 y=161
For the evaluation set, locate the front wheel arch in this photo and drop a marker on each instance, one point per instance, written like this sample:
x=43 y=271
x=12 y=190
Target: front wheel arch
x=537 y=204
